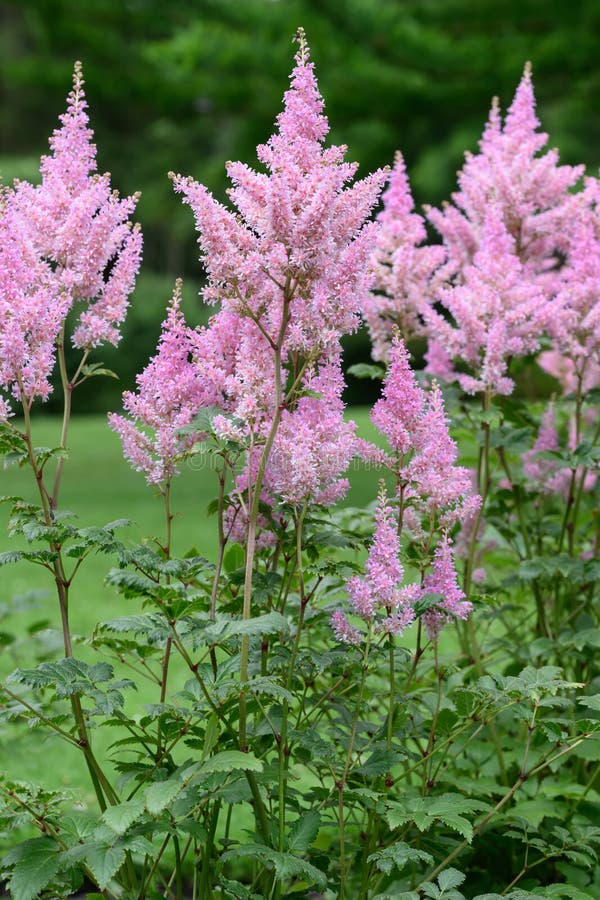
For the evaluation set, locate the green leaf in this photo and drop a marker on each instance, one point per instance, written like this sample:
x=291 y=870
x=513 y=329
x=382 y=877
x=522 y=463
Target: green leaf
x=450 y=878
x=93 y=369
x=398 y=856
x=104 y=862
x=120 y=817
x=285 y=865
x=425 y=811
x=226 y=626
x=36 y=862
x=592 y=702
x=380 y=761
x=234 y=558
x=230 y=761
x=11 y=556
x=160 y=794
x=304 y=831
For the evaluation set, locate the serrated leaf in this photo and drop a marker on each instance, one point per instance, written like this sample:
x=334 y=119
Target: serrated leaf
x=160 y=794
x=104 y=862
x=398 y=856
x=424 y=811
x=234 y=558
x=120 y=817
x=304 y=831
x=36 y=862
x=450 y=878
x=230 y=761
x=285 y=865
x=11 y=556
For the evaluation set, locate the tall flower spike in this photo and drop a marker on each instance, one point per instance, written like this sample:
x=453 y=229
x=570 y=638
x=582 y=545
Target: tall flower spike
x=573 y=321
x=81 y=226
x=415 y=425
x=403 y=267
x=442 y=580
x=31 y=311
x=379 y=598
x=289 y=266
x=530 y=188
x=398 y=412
x=170 y=392
x=497 y=311
x=300 y=240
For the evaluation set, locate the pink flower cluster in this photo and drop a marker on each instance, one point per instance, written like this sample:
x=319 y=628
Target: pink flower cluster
x=424 y=461
x=548 y=476
x=404 y=266
x=496 y=311
x=433 y=494
x=170 y=391
x=58 y=240
x=498 y=280
x=31 y=312
x=379 y=599
x=574 y=319
x=530 y=188
x=290 y=270
x=442 y=581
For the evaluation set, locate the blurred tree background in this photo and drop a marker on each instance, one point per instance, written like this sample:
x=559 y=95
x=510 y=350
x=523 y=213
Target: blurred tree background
x=188 y=84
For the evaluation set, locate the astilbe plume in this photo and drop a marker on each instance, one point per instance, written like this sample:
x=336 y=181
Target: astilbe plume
x=169 y=392
x=403 y=266
x=81 y=227
x=496 y=312
x=379 y=599
x=529 y=187
x=442 y=580
x=544 y=474
x=314 y=445
x=433 y=494
x=547 y=475
x=290 y=270
x=573 y=321
x=424 y=454
x=31 y=311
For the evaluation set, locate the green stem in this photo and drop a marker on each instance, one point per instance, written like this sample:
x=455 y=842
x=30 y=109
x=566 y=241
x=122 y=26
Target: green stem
x=342 y=781
x=99 y=781
x=253 y=516
x=392 y=700
x=283 y=747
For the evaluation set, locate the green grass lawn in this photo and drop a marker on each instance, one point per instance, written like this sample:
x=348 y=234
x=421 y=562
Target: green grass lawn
x=99 y=486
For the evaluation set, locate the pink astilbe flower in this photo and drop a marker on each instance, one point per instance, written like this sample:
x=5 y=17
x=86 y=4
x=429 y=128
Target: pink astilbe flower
x=415 y=425
x=529 y=187
x=380 y=598
x=496 y=311
x=441 y=487
x=563 y=369
x=32 y=311
x=170 y=392
x=314 y=445
x=81 y=227
x=573 y=322
x=442 y=580
x=343 y=630
x=403 y=267
x=399 y=410
x=295 y=257
x=290 y=270
x=545 y=474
